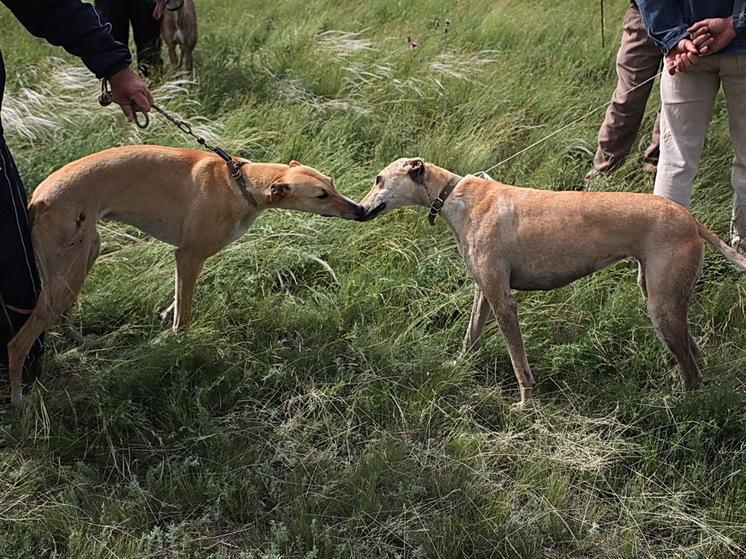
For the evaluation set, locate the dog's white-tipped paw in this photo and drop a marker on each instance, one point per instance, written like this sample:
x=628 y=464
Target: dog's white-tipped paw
x=166 y=317
x=522 y=405
x=526 y=400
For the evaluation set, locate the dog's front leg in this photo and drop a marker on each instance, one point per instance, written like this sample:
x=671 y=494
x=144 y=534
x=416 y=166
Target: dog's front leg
x=188 y=267
x=480 y=311
x=175 y=61
x=505 y=308
x=188 y=58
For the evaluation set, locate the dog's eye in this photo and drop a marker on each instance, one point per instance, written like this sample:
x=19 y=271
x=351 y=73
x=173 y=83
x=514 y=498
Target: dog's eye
x=379 y=180
x=323 y=195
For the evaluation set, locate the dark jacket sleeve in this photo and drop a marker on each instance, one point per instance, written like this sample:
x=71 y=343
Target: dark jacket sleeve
x=739 y=17
x=78 y=28
x=664 y=22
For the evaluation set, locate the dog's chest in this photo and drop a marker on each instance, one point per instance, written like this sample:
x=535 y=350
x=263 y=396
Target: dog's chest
x=176 y=27
x=240 y=228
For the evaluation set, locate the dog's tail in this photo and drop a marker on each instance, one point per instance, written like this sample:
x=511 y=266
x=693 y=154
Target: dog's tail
x=720 y=245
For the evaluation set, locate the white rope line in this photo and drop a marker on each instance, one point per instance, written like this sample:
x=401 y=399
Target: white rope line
x=573 y=123
x=119 y=233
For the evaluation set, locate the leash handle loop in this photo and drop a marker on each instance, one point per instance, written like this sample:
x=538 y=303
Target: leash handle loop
x=106 y=98
x=143 y=124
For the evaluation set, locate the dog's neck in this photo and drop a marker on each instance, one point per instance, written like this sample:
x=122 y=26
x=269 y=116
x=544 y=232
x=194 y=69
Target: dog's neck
x=258 y=179
x=439 y=189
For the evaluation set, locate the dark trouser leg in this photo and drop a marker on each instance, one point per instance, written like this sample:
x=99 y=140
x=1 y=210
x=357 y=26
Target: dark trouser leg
x=147 y=34
x=116 y=13
x=19 y=281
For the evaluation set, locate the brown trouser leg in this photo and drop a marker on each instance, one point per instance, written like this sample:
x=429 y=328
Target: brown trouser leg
x=638 y=60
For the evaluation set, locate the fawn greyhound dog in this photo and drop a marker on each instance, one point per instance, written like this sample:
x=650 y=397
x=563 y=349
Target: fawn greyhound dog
x=184 y=197
x=178 y=28
x=529 y=239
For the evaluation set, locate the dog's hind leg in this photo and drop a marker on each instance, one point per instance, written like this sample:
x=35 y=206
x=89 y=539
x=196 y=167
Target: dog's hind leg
x=62 y=274
x=670 y=321
x=670 y=290
x=21 y=344
x=641 y=280
x=167 y=315
x=66 y=322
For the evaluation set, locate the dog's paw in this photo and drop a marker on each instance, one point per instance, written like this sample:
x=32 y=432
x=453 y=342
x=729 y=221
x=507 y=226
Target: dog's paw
x=523 y=405
x=167 y=317
x=526 y=400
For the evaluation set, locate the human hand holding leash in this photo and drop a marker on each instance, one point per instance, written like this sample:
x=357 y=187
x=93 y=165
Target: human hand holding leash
x=688 y=50
x=128 y=87
x=707 y=36
x=684 y=55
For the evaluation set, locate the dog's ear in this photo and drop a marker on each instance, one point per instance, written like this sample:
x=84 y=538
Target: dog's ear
x=417 y=170
x=294 y=163
x=278 y=191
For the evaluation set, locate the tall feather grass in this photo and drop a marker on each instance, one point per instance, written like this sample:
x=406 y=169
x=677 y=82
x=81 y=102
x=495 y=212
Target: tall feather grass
x=308 y=412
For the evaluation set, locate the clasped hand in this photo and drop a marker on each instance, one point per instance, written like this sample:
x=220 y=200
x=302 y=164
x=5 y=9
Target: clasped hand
x=705 y=37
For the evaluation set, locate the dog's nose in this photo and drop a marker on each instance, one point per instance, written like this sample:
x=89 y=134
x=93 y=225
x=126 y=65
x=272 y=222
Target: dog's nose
x=369 y=214
x=359 y=212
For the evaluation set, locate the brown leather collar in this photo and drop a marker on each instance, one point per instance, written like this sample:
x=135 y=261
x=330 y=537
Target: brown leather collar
x=437 y=204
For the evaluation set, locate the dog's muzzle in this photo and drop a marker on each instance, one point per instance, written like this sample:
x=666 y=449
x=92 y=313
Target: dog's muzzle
x=373 y=212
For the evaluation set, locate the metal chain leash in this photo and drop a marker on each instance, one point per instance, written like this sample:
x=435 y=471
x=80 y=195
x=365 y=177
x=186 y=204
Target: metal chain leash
x=234 y=167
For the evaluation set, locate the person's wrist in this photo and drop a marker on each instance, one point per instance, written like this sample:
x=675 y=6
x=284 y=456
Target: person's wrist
x=114 y=70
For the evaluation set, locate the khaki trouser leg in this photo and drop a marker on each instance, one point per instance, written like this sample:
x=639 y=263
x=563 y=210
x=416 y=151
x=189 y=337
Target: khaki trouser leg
x=733 y=76
x=687 y=99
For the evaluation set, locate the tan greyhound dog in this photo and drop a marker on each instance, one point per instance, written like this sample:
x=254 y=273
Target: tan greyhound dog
x=178 y=28
x=529 y=239
x=184 y=197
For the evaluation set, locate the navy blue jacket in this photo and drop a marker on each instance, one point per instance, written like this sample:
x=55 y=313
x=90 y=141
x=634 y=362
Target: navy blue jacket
x=77 y=27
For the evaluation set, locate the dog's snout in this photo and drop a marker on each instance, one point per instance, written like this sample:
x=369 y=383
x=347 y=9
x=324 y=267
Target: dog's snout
x=359 y=212
x=371 y=213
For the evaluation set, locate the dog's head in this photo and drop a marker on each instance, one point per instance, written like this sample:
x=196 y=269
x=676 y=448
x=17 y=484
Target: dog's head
x=400 y=184
x=303 y=188
x=161 y=5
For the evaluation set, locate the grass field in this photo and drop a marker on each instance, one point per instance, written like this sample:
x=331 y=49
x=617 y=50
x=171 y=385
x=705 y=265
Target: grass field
x=307 y=412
